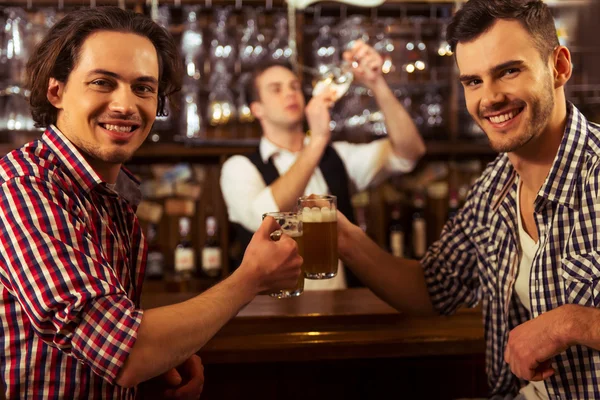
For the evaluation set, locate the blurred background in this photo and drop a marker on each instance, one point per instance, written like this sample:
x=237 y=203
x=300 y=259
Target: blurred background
x=222 y=41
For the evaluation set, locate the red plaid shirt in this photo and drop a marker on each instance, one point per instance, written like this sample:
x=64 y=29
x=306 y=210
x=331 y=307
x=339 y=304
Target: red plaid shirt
x=72 y=258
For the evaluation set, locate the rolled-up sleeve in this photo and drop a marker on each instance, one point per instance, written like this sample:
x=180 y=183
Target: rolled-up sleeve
x=56 y=270
x=245 y=193
x=371 y=163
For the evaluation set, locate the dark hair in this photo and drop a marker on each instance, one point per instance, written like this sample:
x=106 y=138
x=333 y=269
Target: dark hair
x=59 y=51
x=478 y=16
x=253 y=94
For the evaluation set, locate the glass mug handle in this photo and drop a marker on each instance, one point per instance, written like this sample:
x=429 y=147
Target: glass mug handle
x=276 y=235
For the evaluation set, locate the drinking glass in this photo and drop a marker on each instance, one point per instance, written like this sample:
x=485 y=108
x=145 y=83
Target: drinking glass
x=292 y=226
x=319 y=224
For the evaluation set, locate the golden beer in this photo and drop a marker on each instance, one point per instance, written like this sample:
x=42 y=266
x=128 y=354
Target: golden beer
x=319 y=224
x=320 y=249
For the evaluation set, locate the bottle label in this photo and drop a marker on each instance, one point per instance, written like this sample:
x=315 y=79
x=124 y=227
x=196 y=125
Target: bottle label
x=419 y=237
x=397 y=244
x=155 y=264
x=211 y=260
x=184 y=260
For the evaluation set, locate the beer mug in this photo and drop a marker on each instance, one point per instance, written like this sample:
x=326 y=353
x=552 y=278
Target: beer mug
x=319 y=223
x=291 y=225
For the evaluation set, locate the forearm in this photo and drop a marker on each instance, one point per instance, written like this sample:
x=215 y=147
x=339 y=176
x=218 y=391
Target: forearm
x=581 y=326
x=399 y=282
x=169 y=335
x=287 y=188
x=402 y=132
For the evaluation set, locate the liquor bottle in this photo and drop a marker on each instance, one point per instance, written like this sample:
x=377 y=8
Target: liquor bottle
x=185 y=260
x=155 y=265
x=211 y=251
x=419 y=227
x=396 y=233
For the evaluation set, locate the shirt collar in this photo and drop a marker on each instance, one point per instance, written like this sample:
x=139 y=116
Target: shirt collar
x=80 y=170
x=268 y=149
x=561 y=184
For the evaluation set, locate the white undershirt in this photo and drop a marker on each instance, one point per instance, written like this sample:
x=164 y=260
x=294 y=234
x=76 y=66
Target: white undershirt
x=534 y=390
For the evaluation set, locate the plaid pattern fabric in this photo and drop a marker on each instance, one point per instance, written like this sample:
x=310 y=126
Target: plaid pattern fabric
x=71 y=269
x=476 y=259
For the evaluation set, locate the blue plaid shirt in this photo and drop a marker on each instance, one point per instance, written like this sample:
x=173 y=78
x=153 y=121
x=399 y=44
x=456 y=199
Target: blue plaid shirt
x=477 y=257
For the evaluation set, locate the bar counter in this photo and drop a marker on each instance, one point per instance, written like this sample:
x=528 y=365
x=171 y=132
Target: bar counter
x=340 y=344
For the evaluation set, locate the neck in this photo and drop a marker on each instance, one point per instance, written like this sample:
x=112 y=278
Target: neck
x=288 y=138
x=534 y=160
x=108 y=172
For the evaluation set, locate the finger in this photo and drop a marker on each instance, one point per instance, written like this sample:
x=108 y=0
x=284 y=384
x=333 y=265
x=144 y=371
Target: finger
x=359 y=44
x=195 y=383
x=373 y=65
x=172 y=377
x=268 y=226
x=193 y=367
x=361 y=54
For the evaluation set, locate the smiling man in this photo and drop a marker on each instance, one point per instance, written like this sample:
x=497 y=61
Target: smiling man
x=72 y=254
x=525 y=244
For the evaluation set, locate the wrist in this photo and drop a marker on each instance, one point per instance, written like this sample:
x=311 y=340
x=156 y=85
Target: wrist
x=244 y=281
x=349 y=237
x=318 y=141
x=575 y=325
x=379 y=87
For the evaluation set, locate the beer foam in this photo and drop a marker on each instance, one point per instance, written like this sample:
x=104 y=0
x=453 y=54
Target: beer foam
x=316 y=214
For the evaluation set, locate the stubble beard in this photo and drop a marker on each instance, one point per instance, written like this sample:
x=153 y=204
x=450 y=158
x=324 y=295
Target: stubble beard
x=540 y=112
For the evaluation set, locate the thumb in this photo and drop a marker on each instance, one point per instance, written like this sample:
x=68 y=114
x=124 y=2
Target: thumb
x=268 y=226
x=172 y=377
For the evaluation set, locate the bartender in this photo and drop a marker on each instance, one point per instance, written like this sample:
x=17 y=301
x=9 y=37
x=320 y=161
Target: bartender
x=289 y=163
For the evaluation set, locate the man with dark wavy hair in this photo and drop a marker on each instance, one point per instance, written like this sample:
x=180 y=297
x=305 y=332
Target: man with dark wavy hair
x=525 y=244
x=72 y=254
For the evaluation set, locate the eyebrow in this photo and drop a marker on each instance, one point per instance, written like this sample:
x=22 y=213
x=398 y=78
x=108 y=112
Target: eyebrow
x=147 y=79
x=494 y=70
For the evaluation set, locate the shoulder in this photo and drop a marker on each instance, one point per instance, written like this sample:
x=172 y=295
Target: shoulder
x=238 y=166
x=33 y=160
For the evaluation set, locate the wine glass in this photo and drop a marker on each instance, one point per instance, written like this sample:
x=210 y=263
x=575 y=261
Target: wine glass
x=279 y=48
x=252 y=46
x=192 y=45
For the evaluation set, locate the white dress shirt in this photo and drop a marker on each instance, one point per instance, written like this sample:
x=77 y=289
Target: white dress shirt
x=247 y=197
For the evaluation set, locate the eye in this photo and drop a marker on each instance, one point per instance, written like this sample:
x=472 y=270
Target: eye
x=144 y=89
x=101 y=83
x=511 y=71
x=473 y=82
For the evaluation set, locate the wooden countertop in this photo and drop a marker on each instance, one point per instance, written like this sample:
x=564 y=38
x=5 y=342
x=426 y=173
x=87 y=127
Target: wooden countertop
x=345 y=324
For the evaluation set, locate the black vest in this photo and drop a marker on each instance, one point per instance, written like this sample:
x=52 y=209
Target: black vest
x=335 y=175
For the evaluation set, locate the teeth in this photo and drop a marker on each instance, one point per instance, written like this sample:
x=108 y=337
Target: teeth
x=502 y=118
x=118 y=128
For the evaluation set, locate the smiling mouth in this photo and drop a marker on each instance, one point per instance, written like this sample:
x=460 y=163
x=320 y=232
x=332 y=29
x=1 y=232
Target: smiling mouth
x=502 y=118
x=119 y=128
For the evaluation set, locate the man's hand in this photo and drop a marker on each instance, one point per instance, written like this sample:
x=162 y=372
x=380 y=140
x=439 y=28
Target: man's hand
x=368 y=64
x=345 y=228
x=274 y=264
x=184 y=382
x=532 y=345
x=317 y=115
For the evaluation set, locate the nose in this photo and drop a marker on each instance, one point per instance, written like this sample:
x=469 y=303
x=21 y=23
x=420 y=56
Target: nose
x=123 y=101
x=492 y=94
